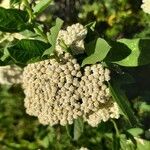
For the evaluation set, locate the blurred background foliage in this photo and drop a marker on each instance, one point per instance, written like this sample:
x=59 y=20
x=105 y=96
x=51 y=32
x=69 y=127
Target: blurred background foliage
x=114 y=19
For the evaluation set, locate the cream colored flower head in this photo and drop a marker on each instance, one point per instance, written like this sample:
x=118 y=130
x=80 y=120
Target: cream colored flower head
x=72 y=37
x=146 y=6
x=5 y=4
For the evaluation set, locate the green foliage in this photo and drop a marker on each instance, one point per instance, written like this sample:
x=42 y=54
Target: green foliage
x=124 y=52
x=139 y=52
x=123 y=103
x=25 y=50
x=52 y=36
x=42 y=5
x=13 y=20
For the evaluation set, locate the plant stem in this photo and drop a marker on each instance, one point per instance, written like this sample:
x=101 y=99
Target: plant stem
x=39 y=31
x=29 y=10
x=116 y=129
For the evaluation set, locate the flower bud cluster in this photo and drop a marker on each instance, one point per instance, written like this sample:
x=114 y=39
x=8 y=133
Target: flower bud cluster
x=72 y=37
x=5 y=4
x=105 y=112
x=146 y=6
x=49 y=88
x=10 y=75
x=58 y=93
x=96 y=99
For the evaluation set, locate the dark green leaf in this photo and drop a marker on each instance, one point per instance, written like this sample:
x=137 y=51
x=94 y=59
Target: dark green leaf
x=42 y=5
x=52 y=36
x=118 y=51
x=119 y=96
x=96 y=51
x=116 y=142
x=125 y=79
x=26 y=50
x=78 y=128
x=13 y=20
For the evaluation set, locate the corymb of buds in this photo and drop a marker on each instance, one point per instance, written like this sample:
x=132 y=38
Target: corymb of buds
x=146 y=6
x=49 y=88
x=72 y=37
x=58 y=93
x=10 y=75
x=97 y=103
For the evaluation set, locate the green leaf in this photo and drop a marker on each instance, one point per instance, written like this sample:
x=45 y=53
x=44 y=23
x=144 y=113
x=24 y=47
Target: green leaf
x=13 y=20
x=42 y=5
x=52 y=36
x=78 y=128
x=96 y=51
x=25 y=50
x=144 y=107
x=126 y=144
x=140 y=52
x=129 y=144
x=135 y=131
x=122 y=101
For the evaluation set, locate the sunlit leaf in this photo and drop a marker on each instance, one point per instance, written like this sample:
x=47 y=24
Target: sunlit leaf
x=136 y=131
x=96 y=51
x=52 y=36
x=42 y=5
x=140 y=52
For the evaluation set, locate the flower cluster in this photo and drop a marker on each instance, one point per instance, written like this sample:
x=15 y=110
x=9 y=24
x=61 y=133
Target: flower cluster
x=72 y=37
x=49 y=88
x=5 y=4
x=59 y=92
x=10 y=75
x=97 y=103
x=146 y=6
